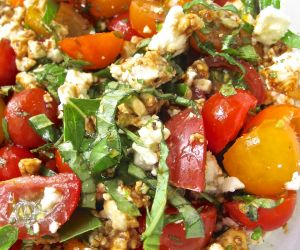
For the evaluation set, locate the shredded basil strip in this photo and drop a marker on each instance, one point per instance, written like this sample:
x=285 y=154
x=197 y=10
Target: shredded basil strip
x=4 y=128
x=81 y=169
x=228 y=58
x=50 y=13
x=123 y=204
x=155 y=218
x=265 y=3
x=257 y=233
x=107 y=148
x=81 y=221
x=192 y=221
x=8 y=236
x=292 y=40
x=214 y=7
x=251 y=7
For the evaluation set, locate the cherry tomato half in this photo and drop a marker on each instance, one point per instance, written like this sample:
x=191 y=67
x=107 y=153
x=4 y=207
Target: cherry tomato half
x=252 y=78
x=187 y=145
x=21 y=107
x=121 y=24
x=268 y=219
x=10 y=157
x=223 y=117
x=62 y=167
x=8 y=68
x=173 y=237
x=107 y=8
x=24 y=193
x=265 y=158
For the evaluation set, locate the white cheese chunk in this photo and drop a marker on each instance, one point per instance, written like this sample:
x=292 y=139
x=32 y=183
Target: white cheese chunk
x=271 y=25
x=294 y=183
x=50 y=199
x=176 y=29
x=53 y=227
x=36 y=228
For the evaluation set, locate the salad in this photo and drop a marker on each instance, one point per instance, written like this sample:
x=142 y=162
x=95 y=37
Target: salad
x=147 y=124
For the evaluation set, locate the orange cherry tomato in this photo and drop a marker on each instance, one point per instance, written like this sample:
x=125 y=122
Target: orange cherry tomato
x=107 y=8
x=16 y=3
x=144 y=15
x=268 y=218
x=285 y=112
x=99 y=49
x=265 y=158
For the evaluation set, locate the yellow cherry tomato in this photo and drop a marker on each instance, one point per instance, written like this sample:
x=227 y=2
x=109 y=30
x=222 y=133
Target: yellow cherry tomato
x=2 y=108
x=264 y=159
x=33 y=19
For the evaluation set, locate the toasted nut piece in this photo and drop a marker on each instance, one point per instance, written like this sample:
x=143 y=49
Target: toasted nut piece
x=29 y=166
x=235 y=238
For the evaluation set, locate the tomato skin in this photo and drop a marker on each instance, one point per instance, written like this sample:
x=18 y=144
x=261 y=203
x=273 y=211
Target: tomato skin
x=186 y=159
x=8 y=68
x=69 y=185
x=100 y=49
x=142 y=13
x=268 y=219
x=12 y=155
x=209 y=217
x=221 y=2
x=252 y=78
x=265 y=158
x=223 y=117
x=62 y=167
x=2 y=113
x=20 y=108
x=121 y=24
x=103 y=8
x=17 y=245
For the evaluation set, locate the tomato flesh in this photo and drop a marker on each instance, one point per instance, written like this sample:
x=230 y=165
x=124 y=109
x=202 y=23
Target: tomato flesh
x=173 y=237
x=107 y=8
x=26 y=191
x=10 y=157
x=268 y=219
x=223 y=117
x=264 y=159
x=187 y=150
x=121 y=24
x=20 y=108
x=62 y=167
x=8 y=68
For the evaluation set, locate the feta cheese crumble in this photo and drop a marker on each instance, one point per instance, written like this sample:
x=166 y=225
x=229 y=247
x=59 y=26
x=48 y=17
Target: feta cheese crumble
x=36 y=228
x=76 y=85
x=294 y=183
x=176 y=29
x=146 y=155
x=271 y=25
x=50 y=199
x=53 y=227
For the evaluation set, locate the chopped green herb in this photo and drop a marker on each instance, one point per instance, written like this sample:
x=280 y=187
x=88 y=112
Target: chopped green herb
x=50 y=13
x=8 y=236
x=265 y=3
x=227 y=90
x=4 y=128
x=257 y=233
x=291 y=39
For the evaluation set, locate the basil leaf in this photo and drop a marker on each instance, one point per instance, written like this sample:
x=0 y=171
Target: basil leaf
x=257 y=233
x=251 y=7
x=103 y=73
x=88 y=107
x=123 y=204
x=81 y=221
x=8 y=236
x=214 y=7
x=50 y=13
x=81 y=168
x=73 y=63
x=192 y=220
x=265 y=3
x=227 y=90
x=155 y=219
x=51 y=76
x=44 y=127
x=292 y=40
x=4 y=128
x=247 y=53
x=107 y=148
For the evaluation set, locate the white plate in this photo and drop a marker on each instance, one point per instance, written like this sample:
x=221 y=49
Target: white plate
x=289 y=240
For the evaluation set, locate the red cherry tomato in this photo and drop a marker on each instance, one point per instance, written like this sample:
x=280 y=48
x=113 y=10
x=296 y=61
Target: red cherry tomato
x=252 y=78
x=16 y=246
x=20 y=108
x=27 y=192
x=51 y=164
x=62 y=167
x=173 y=237
x=8 y=68
x=223 y=117
x=221 y=2
x=187 y=145
x=121 y=24
x=268 y=219
x=10 y=157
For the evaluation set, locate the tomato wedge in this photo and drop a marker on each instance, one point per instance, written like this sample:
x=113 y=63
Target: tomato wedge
x=22 y=204
x=99 y=49
x=187 y=145
x=252 y=77
x=268 y=219
x=173 y=237
x=223 y=117
x=62 y=167
x=121 y=24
